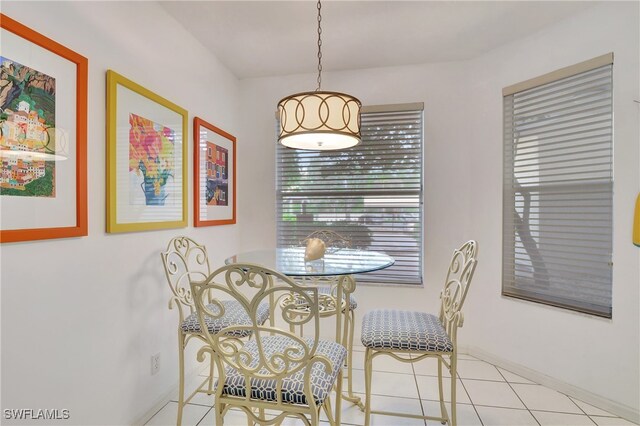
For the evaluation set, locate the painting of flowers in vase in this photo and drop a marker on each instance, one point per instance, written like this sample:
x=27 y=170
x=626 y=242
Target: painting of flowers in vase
x=152 y=159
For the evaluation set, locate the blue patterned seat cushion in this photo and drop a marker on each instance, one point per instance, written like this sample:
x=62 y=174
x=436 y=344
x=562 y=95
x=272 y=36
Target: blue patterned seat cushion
x=234 y=314
x=293 y=385
x=404 y=330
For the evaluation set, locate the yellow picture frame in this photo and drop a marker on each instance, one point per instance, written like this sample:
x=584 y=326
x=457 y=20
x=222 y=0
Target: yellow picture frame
x=130 y=208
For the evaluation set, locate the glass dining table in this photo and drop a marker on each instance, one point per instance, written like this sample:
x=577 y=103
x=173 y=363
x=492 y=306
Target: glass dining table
x=340 y=265
x=290 y=261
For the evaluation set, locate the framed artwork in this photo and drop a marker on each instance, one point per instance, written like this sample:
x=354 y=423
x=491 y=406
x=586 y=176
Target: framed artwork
x=43 y=136
x=214 y=188
x=146 y=159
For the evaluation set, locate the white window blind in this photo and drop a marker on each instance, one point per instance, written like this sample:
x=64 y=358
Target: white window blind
x=371 y=193
x=558 y=190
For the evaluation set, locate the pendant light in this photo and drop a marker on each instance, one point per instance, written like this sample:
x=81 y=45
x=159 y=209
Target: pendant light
x=319 y=120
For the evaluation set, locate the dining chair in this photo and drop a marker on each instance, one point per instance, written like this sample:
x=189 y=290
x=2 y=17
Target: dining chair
x=275 y=369
x=414 y=336
x=182 y=260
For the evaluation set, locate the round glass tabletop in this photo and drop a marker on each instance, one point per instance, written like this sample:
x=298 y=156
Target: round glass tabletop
x=290 y=261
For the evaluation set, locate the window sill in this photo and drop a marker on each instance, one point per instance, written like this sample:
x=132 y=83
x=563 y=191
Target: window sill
x=370 y=284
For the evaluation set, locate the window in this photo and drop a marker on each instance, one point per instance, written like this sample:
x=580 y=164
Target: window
x=371 y=193
x=558 y=188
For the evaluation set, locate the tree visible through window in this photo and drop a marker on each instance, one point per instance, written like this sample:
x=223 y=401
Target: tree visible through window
x=558 y=188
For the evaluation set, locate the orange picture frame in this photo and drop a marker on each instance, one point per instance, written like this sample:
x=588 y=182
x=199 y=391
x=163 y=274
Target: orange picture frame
x=214 y=186
x=81 y=67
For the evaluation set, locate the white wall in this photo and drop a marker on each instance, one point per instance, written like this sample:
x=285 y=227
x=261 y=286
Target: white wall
x=81 y=317
x=595 y=354
x=463 y=195
x=443 y=88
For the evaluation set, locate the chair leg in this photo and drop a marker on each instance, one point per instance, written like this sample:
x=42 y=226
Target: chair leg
x=328 y=410
x=351 y=319
x=443 y=410
x=338 y=414
x=368 y=364
x=453 y=362
x=212 y=369
x=315 y=418
x=181 y=338
x=250 y=422
x=219 y=417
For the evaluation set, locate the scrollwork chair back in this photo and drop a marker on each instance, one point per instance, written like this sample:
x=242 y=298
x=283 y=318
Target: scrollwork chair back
x=272 y=355
x=459 y=275
x=184 y=257
x=332 y=240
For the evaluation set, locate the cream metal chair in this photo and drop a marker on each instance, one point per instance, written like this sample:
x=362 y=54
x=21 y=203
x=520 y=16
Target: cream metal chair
x=332 y=240
x=275 y=369
x=413 y=336
x=185 y=258
x=331 y=286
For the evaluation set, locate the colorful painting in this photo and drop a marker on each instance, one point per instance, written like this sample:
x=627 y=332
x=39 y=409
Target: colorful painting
x=214 y=174
x=217 y=169
x=27 y=123
x=151 y=157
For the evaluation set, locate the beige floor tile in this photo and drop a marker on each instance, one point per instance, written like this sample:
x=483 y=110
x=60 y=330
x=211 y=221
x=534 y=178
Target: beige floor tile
x=428 y=387
x=591 y=410
x=290 y=421
x=394 y=389
x=167 y=416
x=383 y=383
x=538 y=397
x=612 y=421
x=381 y=420
x=465 y=413
x=467 y=356
x=494 y=416
x=199 y=398
x=514 y=378
x=495 y=394
x=478 y=370
x=429 y=367
x=351 y=414
x=203 y=399
x=233 y=417
x=546 y=418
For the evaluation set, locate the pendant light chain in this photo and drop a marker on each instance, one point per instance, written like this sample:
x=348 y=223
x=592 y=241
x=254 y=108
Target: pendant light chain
x=319 y=47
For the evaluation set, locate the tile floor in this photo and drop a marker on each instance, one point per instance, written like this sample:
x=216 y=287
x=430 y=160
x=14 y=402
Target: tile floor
x=487 y=395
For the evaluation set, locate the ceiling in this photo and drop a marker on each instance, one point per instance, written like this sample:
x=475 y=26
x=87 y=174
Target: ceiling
x=266 y=38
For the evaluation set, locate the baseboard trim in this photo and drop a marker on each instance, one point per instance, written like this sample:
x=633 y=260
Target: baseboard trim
x=189 y=376
x=598 y=401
